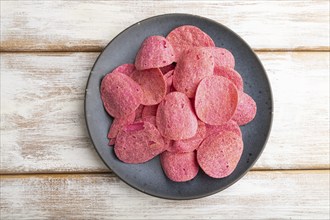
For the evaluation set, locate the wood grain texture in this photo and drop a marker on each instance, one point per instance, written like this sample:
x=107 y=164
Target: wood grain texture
x=42 y=118
x=42 y=113
x=89 y=25
x=259 y=195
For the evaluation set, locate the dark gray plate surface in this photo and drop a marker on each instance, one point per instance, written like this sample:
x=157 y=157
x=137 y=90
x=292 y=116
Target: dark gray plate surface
x=149 y=177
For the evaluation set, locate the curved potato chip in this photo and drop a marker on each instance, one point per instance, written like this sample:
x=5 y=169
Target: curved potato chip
x=153 y=85
x=119 y=123
x=216 y=100
x=219 y=154
x=126 y=69
x=223 y=58
x=246 y=109
x=190 y=144
x=120 y=94
x=187 y=36
x=194 y=65
x=217 y=129
x=154 y=52
x=230 y=74
x=149 y=110
x=175 y=117
x=139 y=143
x=179 y=167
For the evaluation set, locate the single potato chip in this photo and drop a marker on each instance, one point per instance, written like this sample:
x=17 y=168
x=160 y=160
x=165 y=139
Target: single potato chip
x=153 y=85
x=175 y=118
x=187 y=36
x=246 y=109
x=120 y=94
x=216 y=100
x=179 y=167
x=219 y=154
x=154 y=52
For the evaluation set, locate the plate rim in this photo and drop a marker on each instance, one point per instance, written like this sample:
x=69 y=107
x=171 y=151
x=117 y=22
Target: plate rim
x=214 y=191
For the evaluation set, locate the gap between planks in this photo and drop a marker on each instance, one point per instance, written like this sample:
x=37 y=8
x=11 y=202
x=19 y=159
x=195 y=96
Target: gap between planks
x=74 y=174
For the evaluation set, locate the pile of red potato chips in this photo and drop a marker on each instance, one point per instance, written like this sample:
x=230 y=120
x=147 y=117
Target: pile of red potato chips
x=181 y=99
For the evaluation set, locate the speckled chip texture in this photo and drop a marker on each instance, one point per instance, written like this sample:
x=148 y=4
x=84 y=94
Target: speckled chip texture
x=223 y=58
x=190 y=144
x=138 y=112
x=216 y=100
x=169 y=81
x=194 y=65
x=219 y=154
x=154 y=52
x=217 y=129
x=151 y=120
x=230 y=74
x=119 y=123
x=149 y=110
x=126 y=69
x=246 y=109
x=179 y=167
x=120 y=94
x=187 y=36
x=175 y=117
x=153 y=85
x=139 y=143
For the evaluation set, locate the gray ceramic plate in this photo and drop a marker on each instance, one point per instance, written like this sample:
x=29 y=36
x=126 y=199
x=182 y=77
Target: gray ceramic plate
x=149 y=177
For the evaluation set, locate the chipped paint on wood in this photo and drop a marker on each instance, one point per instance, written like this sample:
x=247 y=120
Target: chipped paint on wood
x=90 y=25
x=259 y=195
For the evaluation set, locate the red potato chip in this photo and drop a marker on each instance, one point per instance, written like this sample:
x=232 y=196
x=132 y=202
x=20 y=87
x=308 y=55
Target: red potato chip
x=150 y=119
x=217 y=129
x=230 y=74
x=126 y=69
x=119 y=123
x=218 y=155
x=139 y=143
x=169 y=81
x=153 y=85
x=216 y=100
x=149 y=110
x=120 y=94
x=175 y=118
x=168 y=74
x=138 y=112
x=194 y=65
x=168 y=144
x=223 y=58
x=190 y=144
x=112 y=141
x=246 y=109
x=187 y=36
x=154 y=52
x=166 y=69
x=179 y=167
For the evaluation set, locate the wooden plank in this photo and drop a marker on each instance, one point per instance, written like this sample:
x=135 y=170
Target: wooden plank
x=42 y=115
x=90 y=25
x=43 y=127
x=259 y=195
x=300 y=131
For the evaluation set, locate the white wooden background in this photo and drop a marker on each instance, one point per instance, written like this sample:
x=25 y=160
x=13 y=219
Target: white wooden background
x=48 y=166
